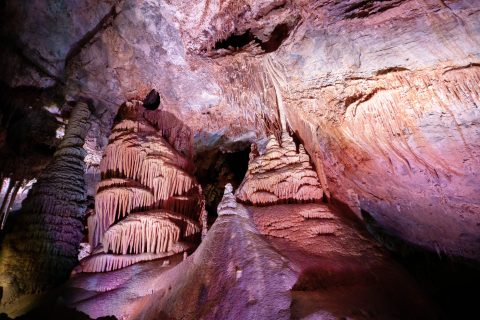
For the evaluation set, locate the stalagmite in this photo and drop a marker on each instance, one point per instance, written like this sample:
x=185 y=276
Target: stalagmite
x=147 y=200
x=42 y=247
x=229 y=205
x=280 y=175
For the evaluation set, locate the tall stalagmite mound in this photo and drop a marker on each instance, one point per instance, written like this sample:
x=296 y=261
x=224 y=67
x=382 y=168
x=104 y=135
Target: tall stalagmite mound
x=42 y=247
x=147 y=203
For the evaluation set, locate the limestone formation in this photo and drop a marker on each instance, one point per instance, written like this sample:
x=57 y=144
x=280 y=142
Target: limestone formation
x=8 y=196
x=42 y=248
x=229 y=205
x=147 y=200
x=233 y=274
x=280 y=175
x=383 y=97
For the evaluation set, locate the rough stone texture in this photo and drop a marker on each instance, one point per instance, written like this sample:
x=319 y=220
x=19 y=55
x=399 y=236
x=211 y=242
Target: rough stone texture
x=383 y=94
x=141 y=173
x=234 y=274
x=327 y=268
x=42 y=247
x=341 y=273
x=390 y=114
x=40 y=36
x=341 y=65
x=280 y=175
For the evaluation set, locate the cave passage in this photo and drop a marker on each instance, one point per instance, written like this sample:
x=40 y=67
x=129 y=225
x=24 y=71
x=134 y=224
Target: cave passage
x=238 y=41
x=214 y=169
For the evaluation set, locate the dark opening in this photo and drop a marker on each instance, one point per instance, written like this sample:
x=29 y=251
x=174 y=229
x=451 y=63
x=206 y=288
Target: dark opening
x=448 y=280
x=296 y=140
x=279 y=34
x=152 y=100
x=214 y=169
x=238 y=41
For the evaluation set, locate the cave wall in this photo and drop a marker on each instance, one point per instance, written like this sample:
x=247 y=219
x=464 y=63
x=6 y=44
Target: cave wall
x=389 y=104
x=384 y=94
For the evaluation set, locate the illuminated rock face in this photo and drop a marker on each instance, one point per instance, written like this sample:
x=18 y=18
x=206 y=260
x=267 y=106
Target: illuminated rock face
x=272 y=262
x=233 y=274
x=383 y=95
x=147 y=201
x=404 y=150
x=280 y=175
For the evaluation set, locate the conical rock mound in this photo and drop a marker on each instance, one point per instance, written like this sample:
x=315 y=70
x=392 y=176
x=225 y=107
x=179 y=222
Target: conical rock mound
x=280 y=175
x=147 y=201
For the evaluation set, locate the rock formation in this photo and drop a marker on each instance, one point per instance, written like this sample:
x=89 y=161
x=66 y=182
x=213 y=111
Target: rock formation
x=382 y=95
x=281 y=174
x=233 y=255
x=373 y=89
x=42 y=247
x=252 y=280
x=147 y=202
x=9 y=194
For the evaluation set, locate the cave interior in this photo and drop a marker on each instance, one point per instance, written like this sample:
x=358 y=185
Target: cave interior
x=239 y=159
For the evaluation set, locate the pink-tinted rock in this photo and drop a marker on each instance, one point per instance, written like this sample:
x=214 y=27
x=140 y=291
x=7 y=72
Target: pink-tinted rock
x=383 y=95
x=340 y=271
x=280 y=175
x=147 y=200
x=308 y=262
x=233 y=274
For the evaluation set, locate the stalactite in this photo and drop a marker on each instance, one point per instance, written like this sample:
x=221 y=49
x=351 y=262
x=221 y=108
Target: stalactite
x=104 y=262
x=280 y=175
x=5 y=201
x=141 y=174
x=152 y=231
x=277 y=80
x=115 y=203
x=6 y=210
x=42 y=247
